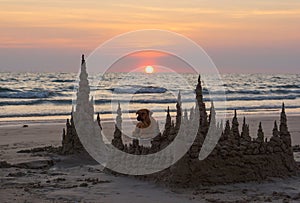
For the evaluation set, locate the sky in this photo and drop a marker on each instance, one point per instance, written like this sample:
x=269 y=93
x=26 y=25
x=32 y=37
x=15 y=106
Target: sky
x=248 y=36
x=159 y=61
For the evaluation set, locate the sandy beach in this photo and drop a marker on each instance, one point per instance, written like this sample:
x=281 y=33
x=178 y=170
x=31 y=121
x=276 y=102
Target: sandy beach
x=129 y=69
x=70 y=179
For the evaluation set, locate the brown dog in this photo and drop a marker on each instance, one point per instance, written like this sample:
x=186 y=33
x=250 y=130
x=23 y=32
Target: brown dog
x=143 y=118
x=147 y=126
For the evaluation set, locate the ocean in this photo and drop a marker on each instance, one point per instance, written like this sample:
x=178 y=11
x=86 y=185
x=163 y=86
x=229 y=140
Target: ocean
x=48 y=96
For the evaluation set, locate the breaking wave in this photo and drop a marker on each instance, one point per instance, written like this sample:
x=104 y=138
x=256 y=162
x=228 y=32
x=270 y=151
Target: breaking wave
x=141 y=101
x=28 y=94
x=4 y=89
x=63 y=80
x=138 y=90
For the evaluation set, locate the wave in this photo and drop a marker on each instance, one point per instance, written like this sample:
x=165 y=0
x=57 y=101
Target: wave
x=284 y=86
x=207 y=92
x=238 y=94
x=60 y=80
x=281 y=91
x=64 y=114
x=97 y=102
x=8 y=80
x=40 y=93
x=276 y=77
x=289 y=86
x=35 y=115
x=143 y=101
x=262 y=98
x=138 y=90
x=5 y=89
x=28 y=94
x=244 y=92
x=150 y=89
x=263 y=107
x=242 y=108
x=250 y=92
x=71 y=87
x=17 y=103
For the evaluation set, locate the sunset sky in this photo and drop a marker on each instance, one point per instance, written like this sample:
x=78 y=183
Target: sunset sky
x=244 y=36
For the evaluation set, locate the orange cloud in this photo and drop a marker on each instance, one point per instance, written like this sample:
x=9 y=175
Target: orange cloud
x=87 y=24
x=148 y=54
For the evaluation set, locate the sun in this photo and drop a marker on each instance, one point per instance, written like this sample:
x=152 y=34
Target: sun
x=149 y=69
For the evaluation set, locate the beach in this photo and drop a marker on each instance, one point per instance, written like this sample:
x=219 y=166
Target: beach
x=31 y=132
x=180 y=101
x=72 y=179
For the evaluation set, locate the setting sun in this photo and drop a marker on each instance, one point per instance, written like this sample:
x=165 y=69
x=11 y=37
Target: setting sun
x=149 y=69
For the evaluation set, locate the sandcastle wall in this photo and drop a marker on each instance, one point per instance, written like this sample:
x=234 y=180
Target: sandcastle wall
x=237 y=156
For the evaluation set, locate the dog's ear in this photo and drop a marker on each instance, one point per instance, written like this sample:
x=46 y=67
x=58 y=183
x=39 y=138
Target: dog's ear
x=148 y=112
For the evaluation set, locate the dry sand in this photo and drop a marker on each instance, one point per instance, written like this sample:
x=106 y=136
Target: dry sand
x=72 y=181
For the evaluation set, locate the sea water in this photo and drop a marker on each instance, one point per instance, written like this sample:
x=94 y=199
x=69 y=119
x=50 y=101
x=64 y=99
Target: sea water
x=44 y=96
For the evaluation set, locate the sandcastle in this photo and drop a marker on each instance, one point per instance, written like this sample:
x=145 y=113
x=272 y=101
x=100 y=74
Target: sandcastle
x=237 y=156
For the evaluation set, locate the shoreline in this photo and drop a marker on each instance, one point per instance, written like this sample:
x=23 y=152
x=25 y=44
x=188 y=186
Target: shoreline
x=129 y=125
x=104 y=118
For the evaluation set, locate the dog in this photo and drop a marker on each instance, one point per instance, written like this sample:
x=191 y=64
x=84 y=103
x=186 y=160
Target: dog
x=143 y=118
x=147 y=125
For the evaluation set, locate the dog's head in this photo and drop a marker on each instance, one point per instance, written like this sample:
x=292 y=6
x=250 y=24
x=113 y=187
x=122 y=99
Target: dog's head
x=143 y=115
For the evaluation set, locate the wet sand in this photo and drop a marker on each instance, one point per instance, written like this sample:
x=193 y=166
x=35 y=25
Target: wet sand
x=71 y=180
